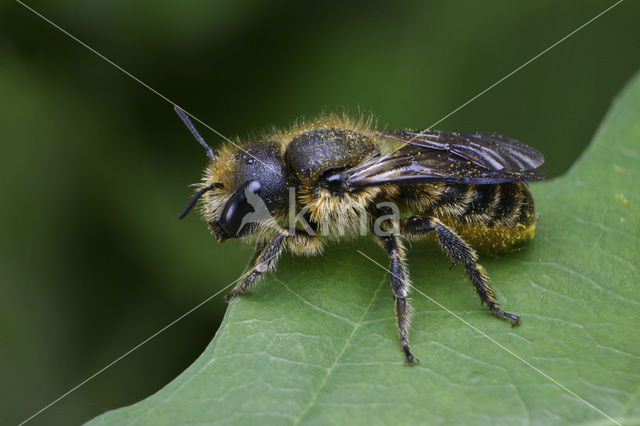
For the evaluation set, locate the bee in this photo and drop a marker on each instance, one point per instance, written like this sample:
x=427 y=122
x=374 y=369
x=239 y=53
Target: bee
x=331 y=178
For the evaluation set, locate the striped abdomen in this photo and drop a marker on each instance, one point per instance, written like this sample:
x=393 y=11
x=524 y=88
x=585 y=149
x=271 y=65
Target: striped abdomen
x=489 y=217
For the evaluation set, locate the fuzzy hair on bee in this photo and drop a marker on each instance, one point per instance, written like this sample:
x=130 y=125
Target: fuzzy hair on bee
x=333 y=177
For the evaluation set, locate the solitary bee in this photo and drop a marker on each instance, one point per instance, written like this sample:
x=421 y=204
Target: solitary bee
x=332 y=177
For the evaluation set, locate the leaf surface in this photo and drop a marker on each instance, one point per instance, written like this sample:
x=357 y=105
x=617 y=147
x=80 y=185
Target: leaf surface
x=316 y=342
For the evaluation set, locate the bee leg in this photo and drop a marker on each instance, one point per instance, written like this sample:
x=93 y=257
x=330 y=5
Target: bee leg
x=459 y=252
x=264 y=262
x=257 y=250
x=400 y=284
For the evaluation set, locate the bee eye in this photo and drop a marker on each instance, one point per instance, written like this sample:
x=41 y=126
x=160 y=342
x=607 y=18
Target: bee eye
x=237 y=208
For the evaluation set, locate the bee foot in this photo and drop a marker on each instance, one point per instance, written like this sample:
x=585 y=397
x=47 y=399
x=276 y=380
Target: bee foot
x=515 y=319
x=231 y=295
x=410 y=359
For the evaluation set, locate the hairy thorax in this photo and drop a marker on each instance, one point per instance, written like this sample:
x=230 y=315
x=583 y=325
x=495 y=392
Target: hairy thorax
x=312 y=156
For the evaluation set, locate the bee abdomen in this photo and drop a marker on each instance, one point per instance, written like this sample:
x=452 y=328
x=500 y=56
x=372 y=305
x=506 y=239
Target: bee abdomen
x=504 y=204
x=454 y=200
x=492 y=218
x=484 y=201
x=515 y=205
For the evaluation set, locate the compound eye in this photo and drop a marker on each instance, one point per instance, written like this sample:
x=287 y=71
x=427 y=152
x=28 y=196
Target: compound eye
x=237 y=208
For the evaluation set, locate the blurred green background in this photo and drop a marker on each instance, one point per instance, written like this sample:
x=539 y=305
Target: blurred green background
x=94 y=168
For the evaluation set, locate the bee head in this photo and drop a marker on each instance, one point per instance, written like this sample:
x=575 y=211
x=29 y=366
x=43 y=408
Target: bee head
x=243 y=186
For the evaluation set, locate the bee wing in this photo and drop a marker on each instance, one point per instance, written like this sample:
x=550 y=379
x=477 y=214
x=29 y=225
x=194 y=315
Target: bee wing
x=436 y=156
x=488 y=150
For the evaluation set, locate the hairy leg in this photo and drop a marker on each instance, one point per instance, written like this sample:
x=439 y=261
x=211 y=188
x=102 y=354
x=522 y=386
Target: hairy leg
x=400 y=285
x=460 y=252
x=257 y=250
x=264 y=262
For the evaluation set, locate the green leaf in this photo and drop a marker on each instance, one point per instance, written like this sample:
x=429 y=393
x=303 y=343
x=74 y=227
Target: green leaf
x=316 y=342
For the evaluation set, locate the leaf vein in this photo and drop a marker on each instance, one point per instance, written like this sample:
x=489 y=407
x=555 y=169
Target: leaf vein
x=356 y=327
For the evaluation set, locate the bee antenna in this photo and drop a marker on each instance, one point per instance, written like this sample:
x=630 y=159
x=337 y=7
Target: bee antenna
x=185 y=119
x=196 y=197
